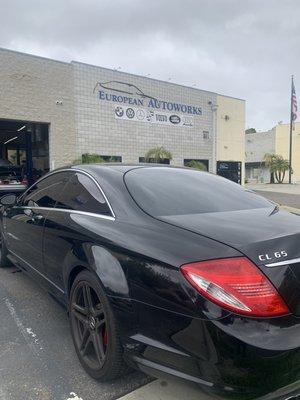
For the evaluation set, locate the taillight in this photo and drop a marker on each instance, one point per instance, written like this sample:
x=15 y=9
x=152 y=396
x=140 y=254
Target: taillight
x=24 y=182
x=236 y=284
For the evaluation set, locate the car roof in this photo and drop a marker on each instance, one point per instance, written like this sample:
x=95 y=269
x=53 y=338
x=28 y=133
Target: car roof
x=120 y=167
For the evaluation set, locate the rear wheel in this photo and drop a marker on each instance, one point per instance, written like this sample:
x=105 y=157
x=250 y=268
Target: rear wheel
x=94 y=329
x=4 y=261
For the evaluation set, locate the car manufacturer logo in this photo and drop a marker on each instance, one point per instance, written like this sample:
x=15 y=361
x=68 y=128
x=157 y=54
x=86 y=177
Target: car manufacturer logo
x=119 y=111
x=130 y=113
x=140 y=114
x=161 y=118
x=174 y=119
x=149 y=116
x=92 y=323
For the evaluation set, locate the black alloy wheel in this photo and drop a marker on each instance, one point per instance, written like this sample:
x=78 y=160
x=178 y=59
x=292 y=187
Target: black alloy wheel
x=94 y=329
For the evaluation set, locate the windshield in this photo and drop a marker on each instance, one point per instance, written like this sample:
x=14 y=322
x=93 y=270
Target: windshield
x=174 y=191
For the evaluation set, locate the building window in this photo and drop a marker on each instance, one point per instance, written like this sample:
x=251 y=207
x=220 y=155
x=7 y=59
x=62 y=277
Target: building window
x=112 y=158
x=88 y=158
x=191 y=162
x=152 y=160
x=205 y=135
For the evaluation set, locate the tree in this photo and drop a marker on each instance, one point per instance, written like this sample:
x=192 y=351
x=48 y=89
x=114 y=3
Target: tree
x=269 y=159
x=158 y=155
x=277 y=165
x=250 y=130
x=196 y=165
x=280 y=166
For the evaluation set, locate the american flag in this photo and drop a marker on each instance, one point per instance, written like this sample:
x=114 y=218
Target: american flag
x=294 y=107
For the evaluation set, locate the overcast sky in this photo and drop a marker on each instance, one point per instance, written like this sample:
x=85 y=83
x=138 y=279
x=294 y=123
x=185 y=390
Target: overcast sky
x=242 y=48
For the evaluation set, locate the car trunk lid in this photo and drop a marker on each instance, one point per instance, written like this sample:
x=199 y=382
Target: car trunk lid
x=267 y=236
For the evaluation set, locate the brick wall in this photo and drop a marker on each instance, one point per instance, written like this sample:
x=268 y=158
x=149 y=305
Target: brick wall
x=98 y=131
x=29 y=89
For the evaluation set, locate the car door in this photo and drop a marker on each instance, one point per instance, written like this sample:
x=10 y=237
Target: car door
x=25 y=221
x=63 y=236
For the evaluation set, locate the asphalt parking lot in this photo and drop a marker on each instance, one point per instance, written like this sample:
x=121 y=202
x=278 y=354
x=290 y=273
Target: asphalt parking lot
x=287 y=199
x=284 y=194
x=37 y=359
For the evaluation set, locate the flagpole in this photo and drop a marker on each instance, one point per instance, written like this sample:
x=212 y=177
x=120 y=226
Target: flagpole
x=291 y=134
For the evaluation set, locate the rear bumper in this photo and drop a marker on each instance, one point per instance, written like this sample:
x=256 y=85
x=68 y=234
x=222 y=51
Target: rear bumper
x=235 y=357
x=290 y=392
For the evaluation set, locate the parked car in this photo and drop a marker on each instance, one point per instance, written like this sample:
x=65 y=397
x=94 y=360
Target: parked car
x=169 y=270
x=11 y=181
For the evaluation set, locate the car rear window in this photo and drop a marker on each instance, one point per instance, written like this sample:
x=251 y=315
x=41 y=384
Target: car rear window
x=174 y=191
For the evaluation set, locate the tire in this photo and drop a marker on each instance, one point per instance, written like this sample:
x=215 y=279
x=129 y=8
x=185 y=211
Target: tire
x=4 y=261
x=94 y=329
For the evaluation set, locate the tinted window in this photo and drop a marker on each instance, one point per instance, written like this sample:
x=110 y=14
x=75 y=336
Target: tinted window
x=46 y=192
x=82 y=194
x=171 y=191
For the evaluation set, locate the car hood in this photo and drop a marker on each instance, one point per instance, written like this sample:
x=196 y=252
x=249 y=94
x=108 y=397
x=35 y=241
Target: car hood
x=267 y=236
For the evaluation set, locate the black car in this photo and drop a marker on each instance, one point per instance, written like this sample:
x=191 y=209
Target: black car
x=169 y=270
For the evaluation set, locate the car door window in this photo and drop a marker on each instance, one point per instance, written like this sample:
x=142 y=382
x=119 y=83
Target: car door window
x=47 y=192
x=82 y=194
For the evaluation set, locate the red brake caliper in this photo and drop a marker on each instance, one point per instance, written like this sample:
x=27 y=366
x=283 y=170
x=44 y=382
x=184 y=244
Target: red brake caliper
x=105 y=337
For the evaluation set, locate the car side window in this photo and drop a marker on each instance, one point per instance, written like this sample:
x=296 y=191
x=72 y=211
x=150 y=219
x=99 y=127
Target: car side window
x=47 y=192
x=82 y=194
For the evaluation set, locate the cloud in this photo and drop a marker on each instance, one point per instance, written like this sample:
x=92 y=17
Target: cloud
x=246 y=49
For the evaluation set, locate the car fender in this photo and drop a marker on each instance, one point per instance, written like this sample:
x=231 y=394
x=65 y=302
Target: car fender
x=103 y=263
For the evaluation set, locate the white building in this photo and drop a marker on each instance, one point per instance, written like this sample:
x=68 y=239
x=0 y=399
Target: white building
x=69 y=109
x=257 y=145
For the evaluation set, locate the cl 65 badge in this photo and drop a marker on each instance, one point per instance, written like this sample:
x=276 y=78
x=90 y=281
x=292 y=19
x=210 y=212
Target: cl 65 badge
x=276 y=254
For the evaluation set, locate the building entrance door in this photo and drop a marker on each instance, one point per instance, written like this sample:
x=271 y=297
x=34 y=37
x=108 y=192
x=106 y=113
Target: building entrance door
x=231 y=170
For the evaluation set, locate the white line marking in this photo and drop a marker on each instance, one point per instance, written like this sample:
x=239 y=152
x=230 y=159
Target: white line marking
x=26 y=335
x=75 y=397
x=34 y=337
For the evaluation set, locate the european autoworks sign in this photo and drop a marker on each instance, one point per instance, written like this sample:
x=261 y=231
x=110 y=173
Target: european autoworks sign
x=129 y=94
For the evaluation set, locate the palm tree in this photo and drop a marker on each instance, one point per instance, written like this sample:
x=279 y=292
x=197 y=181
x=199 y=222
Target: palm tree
x=280 y=167
x=269 y=159
x=196 y=165
x=158 y=155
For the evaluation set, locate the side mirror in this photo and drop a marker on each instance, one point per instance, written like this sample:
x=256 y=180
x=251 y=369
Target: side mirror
x=8 y=200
